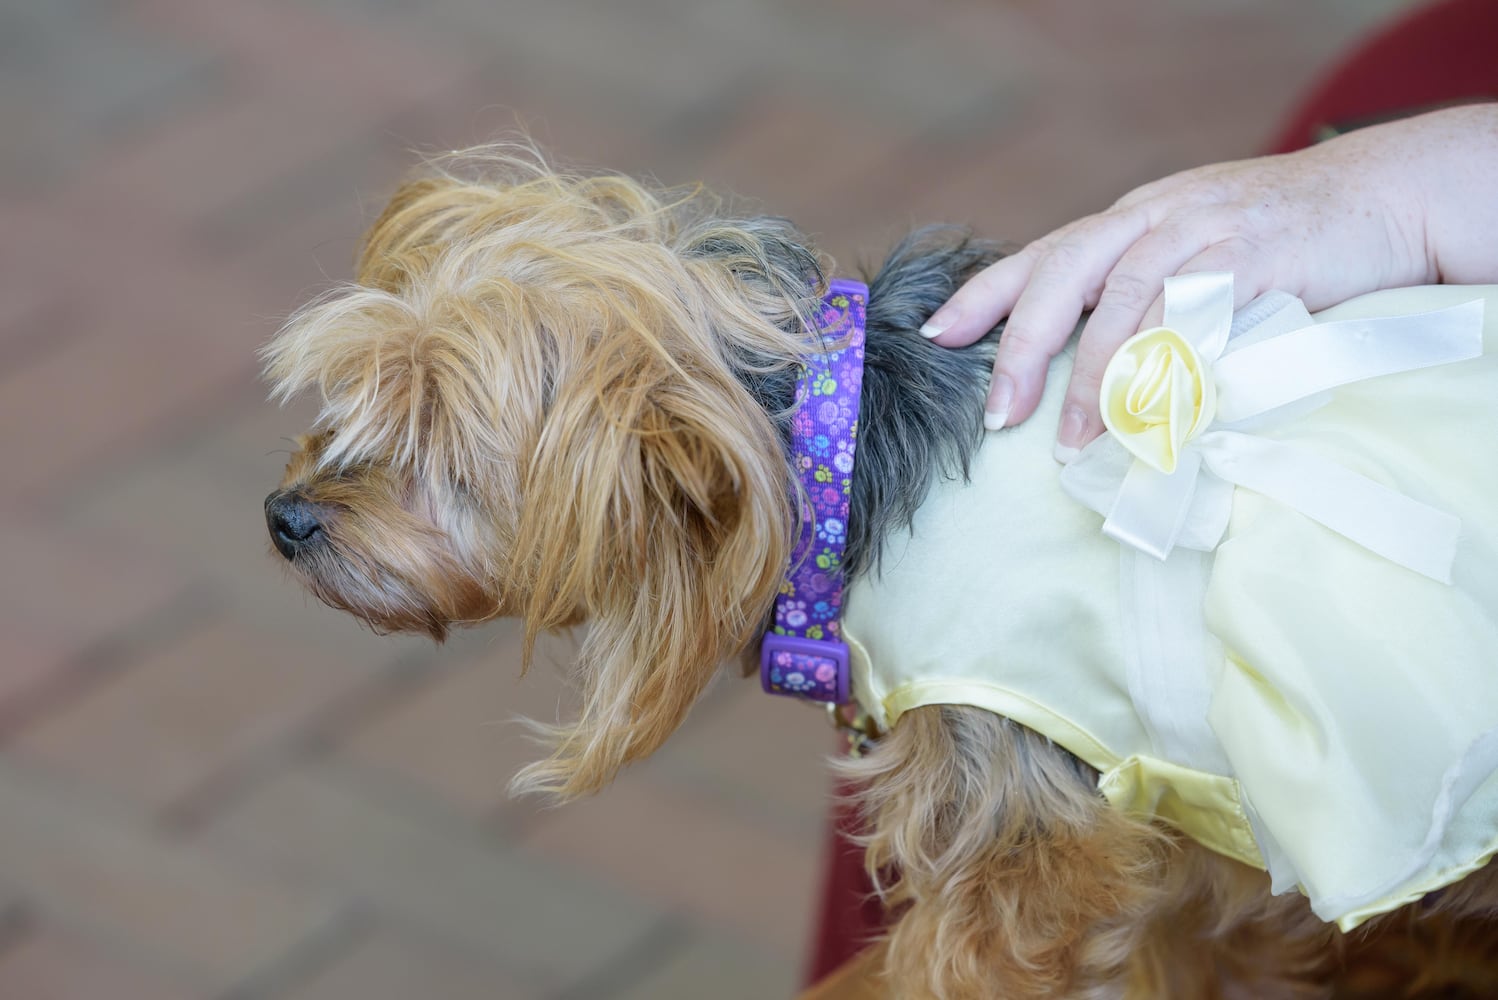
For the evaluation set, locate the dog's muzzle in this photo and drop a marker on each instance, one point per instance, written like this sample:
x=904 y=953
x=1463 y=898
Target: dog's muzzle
x=293 y=523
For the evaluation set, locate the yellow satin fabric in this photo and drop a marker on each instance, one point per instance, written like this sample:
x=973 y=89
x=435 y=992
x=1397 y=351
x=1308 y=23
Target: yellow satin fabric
x=1349 y=689
x=1156 y=396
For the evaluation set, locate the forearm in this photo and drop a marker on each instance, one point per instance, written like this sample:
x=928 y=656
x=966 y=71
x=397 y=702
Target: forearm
x=1460 y=232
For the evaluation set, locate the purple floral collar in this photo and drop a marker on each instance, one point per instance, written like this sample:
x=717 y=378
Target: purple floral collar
x=803 y=654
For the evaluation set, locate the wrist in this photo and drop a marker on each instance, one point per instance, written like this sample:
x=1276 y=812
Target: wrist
x=1392 y=176
x=1461 y=219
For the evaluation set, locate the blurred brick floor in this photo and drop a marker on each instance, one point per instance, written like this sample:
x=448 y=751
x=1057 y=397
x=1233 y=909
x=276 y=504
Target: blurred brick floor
x=211 y=788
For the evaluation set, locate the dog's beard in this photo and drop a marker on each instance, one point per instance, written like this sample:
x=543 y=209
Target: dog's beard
x=428 y=599
x=390 y=550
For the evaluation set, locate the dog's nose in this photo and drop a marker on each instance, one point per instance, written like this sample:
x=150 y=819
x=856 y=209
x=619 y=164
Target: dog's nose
x=292 y=522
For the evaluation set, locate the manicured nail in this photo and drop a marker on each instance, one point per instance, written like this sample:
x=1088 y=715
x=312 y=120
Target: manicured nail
x=1000 y=398
x=941 y=321
x=1069 y=440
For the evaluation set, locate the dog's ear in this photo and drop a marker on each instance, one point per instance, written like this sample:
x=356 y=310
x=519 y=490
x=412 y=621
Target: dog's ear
x=657 y=508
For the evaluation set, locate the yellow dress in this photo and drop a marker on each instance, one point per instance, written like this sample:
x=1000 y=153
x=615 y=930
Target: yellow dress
x=1287 y=696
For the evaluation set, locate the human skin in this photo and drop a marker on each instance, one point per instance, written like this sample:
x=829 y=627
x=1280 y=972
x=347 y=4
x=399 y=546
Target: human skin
x=1406 y=203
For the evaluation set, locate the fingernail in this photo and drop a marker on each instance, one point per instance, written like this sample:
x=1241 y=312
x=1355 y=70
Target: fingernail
x=941 y=321
x=1069 y=440
x=1000 y=398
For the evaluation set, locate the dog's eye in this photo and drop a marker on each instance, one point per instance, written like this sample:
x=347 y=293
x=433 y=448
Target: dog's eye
x=351 y=473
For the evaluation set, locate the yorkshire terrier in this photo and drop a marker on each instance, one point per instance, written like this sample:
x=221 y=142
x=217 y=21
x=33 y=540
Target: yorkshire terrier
x=568 y=399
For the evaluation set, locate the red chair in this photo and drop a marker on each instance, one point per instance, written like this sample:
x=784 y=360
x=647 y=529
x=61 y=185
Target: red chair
x=1434 y=55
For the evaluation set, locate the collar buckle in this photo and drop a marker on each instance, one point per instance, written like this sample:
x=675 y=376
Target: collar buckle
x=816 y=669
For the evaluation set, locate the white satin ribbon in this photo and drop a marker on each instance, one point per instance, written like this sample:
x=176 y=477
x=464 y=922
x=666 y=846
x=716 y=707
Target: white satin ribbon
x=1200 y=308
x=1412 y=534
x=1268 y=375
x=1257 y=385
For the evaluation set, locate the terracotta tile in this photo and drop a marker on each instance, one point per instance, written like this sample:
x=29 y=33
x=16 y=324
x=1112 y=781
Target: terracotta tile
x=1032 y=179
x=295 y=89
x=116 y=74
x=116 y=378
x=186 y=911
x=756 y=756
x=206 y=704
x=29 y=316
x=33 y=663
x=682 y=850
x=459 y=736
x=66 y=597
x=706 y=964
x=597 y=71
x=75 y=587
x=332 y=827
x=301 y=54
x=300 y=231
x=392 y=965
x=158 y=179
x=832 y=152
x=51 y=964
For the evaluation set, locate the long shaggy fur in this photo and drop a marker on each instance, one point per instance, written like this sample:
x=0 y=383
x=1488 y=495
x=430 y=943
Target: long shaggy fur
x=565 y=398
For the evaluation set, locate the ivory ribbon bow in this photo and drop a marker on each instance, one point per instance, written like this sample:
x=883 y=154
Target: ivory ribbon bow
x=1183 y=406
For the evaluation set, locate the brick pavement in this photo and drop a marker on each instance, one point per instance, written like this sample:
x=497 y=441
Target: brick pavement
x=212 y=789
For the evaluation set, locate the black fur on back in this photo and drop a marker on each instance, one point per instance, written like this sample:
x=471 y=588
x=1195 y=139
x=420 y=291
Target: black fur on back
x=922 y=405
x=921 y=411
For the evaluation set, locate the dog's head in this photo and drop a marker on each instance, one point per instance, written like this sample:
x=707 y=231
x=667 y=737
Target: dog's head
x=534 y=404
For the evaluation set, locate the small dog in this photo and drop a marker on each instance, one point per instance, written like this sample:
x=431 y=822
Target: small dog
x=567 y=398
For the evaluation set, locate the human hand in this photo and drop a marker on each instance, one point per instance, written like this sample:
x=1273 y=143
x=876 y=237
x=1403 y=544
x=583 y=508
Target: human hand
x=1382 y=207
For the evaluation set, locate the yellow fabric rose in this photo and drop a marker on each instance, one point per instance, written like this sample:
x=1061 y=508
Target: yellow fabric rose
x=1156 y=396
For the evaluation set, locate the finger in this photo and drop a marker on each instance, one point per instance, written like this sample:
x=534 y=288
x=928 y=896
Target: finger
x=1251 y=267
x=1065 y=281
x=1250 y=277
x=1128 y=293
x=986 y=297
x=1153 y=316
x=1250 y=280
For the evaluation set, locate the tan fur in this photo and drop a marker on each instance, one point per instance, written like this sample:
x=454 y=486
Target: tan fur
x=529 y=409
x=551 y=323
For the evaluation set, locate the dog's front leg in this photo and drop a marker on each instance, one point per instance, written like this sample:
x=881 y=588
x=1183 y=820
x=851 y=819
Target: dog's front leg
x=1009 y=875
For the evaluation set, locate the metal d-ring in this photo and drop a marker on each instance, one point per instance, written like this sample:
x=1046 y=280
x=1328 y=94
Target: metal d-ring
x=859 y=726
